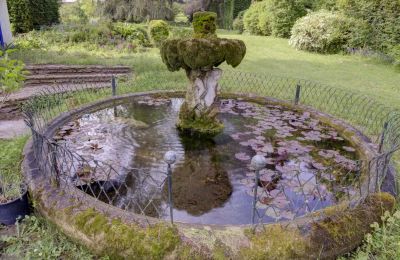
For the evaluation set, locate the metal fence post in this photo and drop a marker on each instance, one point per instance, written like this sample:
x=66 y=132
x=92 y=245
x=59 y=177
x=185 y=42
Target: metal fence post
x=52 y=151
x=385 y=126
x=113 y=86
x=258 y=162
x=297 y=96
x=170 y=158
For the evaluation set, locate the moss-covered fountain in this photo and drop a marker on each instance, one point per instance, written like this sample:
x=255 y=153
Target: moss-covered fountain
x=199 y=56
x=313 y=195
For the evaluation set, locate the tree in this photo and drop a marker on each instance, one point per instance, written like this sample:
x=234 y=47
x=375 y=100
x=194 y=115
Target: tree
x=137 y=10
x=199 y=56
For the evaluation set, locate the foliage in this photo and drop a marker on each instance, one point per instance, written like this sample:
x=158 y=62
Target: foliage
x=252 y=17
x=239 y=6
x=273 y=17
x=383 y=243
x=137 y=10
x=73 y=13
x=238 y=22
x=10 y=168
x=181 y=32
x=37 y=239
x=204 y=23
x=12 y=73
x=227 y=10
x=159 y=31
x=321 y=31
x=20 y=15
x=121 y=36
x=381 y=16
x=316 y=5
x=283 y=15
x=26 y=15
x=132 y=32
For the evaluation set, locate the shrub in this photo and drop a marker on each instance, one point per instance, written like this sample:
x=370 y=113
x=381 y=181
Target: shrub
x=99 y=34
x=238 y=22
x=181 y=32
x=73 y=13
x=382 y=17
x=316 y=5
x=322 y=31
x=26 y=15
x=132 y=32
x=283 y=14
x=20 y=15
x=273 y=17
x=12 y=73
x=159 y=31
x=251 y=18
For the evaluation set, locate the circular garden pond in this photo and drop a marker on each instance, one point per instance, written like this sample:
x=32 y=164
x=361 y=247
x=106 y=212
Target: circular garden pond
x=310 y=165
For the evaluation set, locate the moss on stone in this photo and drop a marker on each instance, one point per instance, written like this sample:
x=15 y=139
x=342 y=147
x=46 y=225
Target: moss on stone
x=343 y=229
x=203 y=53
x=276 y=242
x=204 y=24
x=202 y=127
x=120 y=240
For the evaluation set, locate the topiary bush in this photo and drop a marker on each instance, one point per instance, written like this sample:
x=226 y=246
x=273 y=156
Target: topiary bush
x=322 y=31
x=159 y=31
x=273 y=17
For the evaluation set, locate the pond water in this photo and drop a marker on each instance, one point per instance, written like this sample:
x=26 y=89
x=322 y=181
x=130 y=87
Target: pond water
x=310 y=166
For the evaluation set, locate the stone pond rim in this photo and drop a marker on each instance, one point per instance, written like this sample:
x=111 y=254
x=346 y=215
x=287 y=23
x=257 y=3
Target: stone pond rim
x=335 y=231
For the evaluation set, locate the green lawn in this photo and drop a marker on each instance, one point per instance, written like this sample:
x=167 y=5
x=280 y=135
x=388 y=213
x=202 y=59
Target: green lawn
x=369 y=76
x=264 y=55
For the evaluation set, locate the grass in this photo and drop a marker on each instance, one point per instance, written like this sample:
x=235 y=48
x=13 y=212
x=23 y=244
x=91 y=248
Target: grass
x=264 y=55
x=34 y=238
x=10 y=168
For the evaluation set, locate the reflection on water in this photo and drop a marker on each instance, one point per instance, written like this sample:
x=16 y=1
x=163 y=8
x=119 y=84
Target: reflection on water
x=212 y=182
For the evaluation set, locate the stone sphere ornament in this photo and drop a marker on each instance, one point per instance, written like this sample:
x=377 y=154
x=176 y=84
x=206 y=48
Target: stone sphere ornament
x=200 y=56
x=170 y=157
x=258 y=162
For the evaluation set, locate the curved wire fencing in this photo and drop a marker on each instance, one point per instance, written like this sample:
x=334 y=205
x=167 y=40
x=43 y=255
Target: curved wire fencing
x=152 y=196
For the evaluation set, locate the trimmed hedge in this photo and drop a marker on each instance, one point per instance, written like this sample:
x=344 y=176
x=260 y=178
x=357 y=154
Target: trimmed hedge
x=26 y=15
x=382 y=17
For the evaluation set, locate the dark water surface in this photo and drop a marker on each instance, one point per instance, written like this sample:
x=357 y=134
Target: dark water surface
x=212 y=180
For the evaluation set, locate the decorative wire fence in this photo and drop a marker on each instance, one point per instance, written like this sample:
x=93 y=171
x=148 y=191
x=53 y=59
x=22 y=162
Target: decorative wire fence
x=152 y=196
